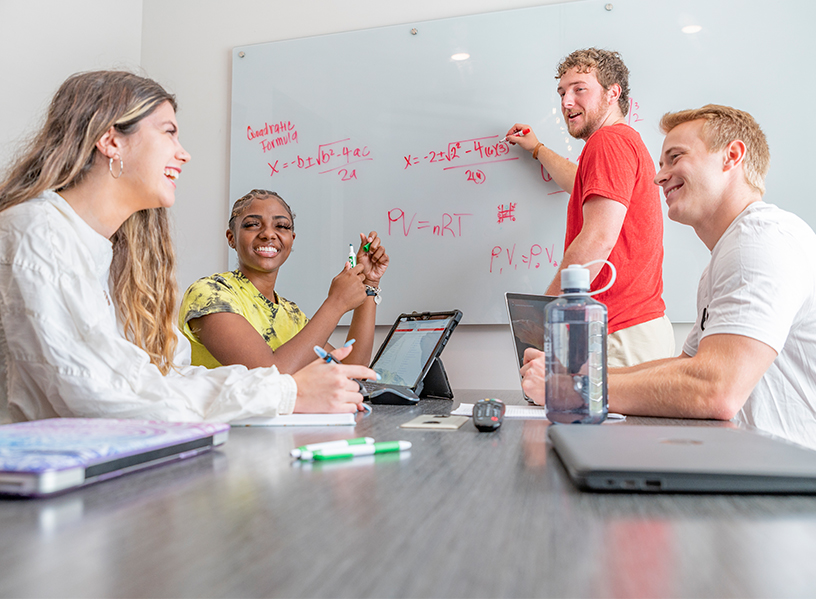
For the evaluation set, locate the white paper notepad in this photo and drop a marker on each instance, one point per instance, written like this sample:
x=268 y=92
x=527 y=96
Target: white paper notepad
x=299 y=420
x=521 y=411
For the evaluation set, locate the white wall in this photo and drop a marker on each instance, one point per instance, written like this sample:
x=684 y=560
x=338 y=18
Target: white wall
x=185 y=45
x=42 y=42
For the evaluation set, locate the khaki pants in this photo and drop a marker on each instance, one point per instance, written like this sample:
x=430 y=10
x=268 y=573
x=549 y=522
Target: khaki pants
x=647 y=341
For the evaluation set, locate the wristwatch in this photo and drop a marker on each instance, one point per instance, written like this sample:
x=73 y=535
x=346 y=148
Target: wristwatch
x=373 y=291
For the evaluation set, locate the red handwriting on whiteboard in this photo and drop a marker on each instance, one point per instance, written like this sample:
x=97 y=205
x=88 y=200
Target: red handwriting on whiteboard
x=507 y=213
x=447 y=224
x=464 y=154
x=633 y=116
x=547 y=177
x=333 y=157
x=477 y=176
x=273 y=135
x=509 y=259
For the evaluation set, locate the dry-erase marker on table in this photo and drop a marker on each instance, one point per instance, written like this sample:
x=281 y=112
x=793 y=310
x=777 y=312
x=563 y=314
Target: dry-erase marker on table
x=327 y=445
x=352 y=256
x=359 y=450
x=521 y=133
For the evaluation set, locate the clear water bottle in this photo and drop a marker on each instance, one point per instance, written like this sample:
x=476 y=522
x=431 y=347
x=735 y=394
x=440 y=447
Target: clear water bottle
x=575 y=351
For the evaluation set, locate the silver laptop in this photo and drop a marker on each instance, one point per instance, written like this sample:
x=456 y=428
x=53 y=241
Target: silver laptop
x=39 y=458
x=525 y=312
x=644 y=458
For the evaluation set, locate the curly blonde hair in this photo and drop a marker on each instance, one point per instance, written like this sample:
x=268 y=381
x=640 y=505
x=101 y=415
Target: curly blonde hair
x=61 y=154
x=608 y=67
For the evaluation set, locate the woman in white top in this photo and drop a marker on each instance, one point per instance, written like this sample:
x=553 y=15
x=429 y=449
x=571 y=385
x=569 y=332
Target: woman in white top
x=87 y=275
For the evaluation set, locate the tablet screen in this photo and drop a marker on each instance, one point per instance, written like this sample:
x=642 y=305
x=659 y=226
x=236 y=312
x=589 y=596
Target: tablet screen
x=410 y=347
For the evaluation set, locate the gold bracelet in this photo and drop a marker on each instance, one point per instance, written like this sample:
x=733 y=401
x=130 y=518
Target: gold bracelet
x=535 y=150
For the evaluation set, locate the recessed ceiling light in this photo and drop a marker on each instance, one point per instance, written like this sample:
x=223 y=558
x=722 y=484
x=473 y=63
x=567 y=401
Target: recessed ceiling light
x=460 y=56
x=691 y=29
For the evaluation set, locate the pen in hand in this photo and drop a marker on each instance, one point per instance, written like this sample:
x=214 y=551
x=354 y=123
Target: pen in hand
x=521 y=133
x=325 y=355
x=321 y=353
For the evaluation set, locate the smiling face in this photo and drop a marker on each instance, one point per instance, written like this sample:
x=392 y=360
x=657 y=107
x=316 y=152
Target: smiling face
x=263 y=236
x=152 y=159
x=585 y=104
x=691 y=176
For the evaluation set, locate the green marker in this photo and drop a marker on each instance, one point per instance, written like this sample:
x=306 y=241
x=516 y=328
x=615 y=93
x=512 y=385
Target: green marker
x=367 y=247
x=352 y=256
x=297 y=452
x=357 y=450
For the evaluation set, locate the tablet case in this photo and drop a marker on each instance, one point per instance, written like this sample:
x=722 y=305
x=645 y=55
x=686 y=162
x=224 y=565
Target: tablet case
x=433 y=384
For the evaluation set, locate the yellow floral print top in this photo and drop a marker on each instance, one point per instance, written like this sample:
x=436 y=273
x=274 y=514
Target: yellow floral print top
x=233 y=293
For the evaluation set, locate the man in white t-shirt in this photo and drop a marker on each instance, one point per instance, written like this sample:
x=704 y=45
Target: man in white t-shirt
x=751 y=355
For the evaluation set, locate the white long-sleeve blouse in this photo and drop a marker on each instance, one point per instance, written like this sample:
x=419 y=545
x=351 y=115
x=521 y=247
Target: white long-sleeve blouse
x=62 y=351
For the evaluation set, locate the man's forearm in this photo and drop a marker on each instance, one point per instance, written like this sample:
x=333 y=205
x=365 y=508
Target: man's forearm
x=674 y=387
x=561 y=169
x=713 y=384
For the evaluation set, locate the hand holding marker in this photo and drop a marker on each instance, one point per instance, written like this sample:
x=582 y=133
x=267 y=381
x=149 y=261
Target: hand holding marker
x=345 y=448
x=521 y=133
x=353 y=256
x=321 y=353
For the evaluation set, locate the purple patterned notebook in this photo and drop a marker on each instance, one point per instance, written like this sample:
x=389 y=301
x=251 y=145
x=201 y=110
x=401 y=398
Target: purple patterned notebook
x=38 y=458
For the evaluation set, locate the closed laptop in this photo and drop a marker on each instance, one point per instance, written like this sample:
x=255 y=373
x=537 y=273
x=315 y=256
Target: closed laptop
x=645 y=458
x=38 y=458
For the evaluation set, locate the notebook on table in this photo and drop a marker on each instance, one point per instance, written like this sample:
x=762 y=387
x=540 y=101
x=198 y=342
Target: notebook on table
x=525 y=312
x=644 y=458
x=408 y=360
x=38 y=458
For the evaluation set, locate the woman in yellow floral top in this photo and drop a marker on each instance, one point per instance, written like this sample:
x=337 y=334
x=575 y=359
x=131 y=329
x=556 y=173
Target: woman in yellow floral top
x=238 y=318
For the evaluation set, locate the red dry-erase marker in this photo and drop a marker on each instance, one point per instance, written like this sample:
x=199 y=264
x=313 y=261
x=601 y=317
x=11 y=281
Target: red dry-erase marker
x=521 y=133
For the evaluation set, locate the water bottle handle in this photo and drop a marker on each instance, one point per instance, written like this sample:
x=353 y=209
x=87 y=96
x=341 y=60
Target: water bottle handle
x=611 y=281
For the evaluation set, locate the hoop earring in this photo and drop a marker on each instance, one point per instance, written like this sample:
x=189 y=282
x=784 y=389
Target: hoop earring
x=121 y=167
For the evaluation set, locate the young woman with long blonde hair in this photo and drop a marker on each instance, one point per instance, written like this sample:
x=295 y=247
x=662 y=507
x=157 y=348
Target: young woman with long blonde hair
x=87 y=275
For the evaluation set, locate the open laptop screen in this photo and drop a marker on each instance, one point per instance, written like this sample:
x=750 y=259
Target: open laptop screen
x=411 y=345
x=526 y=315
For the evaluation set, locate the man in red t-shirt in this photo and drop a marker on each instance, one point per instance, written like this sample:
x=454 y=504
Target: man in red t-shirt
x=614 y=207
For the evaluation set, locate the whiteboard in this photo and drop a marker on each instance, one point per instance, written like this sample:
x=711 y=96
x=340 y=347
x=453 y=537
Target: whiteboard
x=381 y=129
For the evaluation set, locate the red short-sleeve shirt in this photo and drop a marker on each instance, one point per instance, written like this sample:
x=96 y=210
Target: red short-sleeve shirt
x=616 y=165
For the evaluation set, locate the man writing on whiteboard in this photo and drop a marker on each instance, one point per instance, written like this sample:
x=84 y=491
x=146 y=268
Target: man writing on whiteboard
x=614 y=208
x=750 y=354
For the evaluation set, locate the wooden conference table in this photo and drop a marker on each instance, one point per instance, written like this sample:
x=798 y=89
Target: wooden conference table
x=465 y=514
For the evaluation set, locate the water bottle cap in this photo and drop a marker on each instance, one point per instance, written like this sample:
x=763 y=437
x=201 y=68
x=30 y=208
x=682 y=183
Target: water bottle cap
x=575 y=277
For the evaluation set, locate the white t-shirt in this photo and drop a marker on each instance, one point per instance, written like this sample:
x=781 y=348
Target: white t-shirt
x=761 y=283
x=63 y=352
